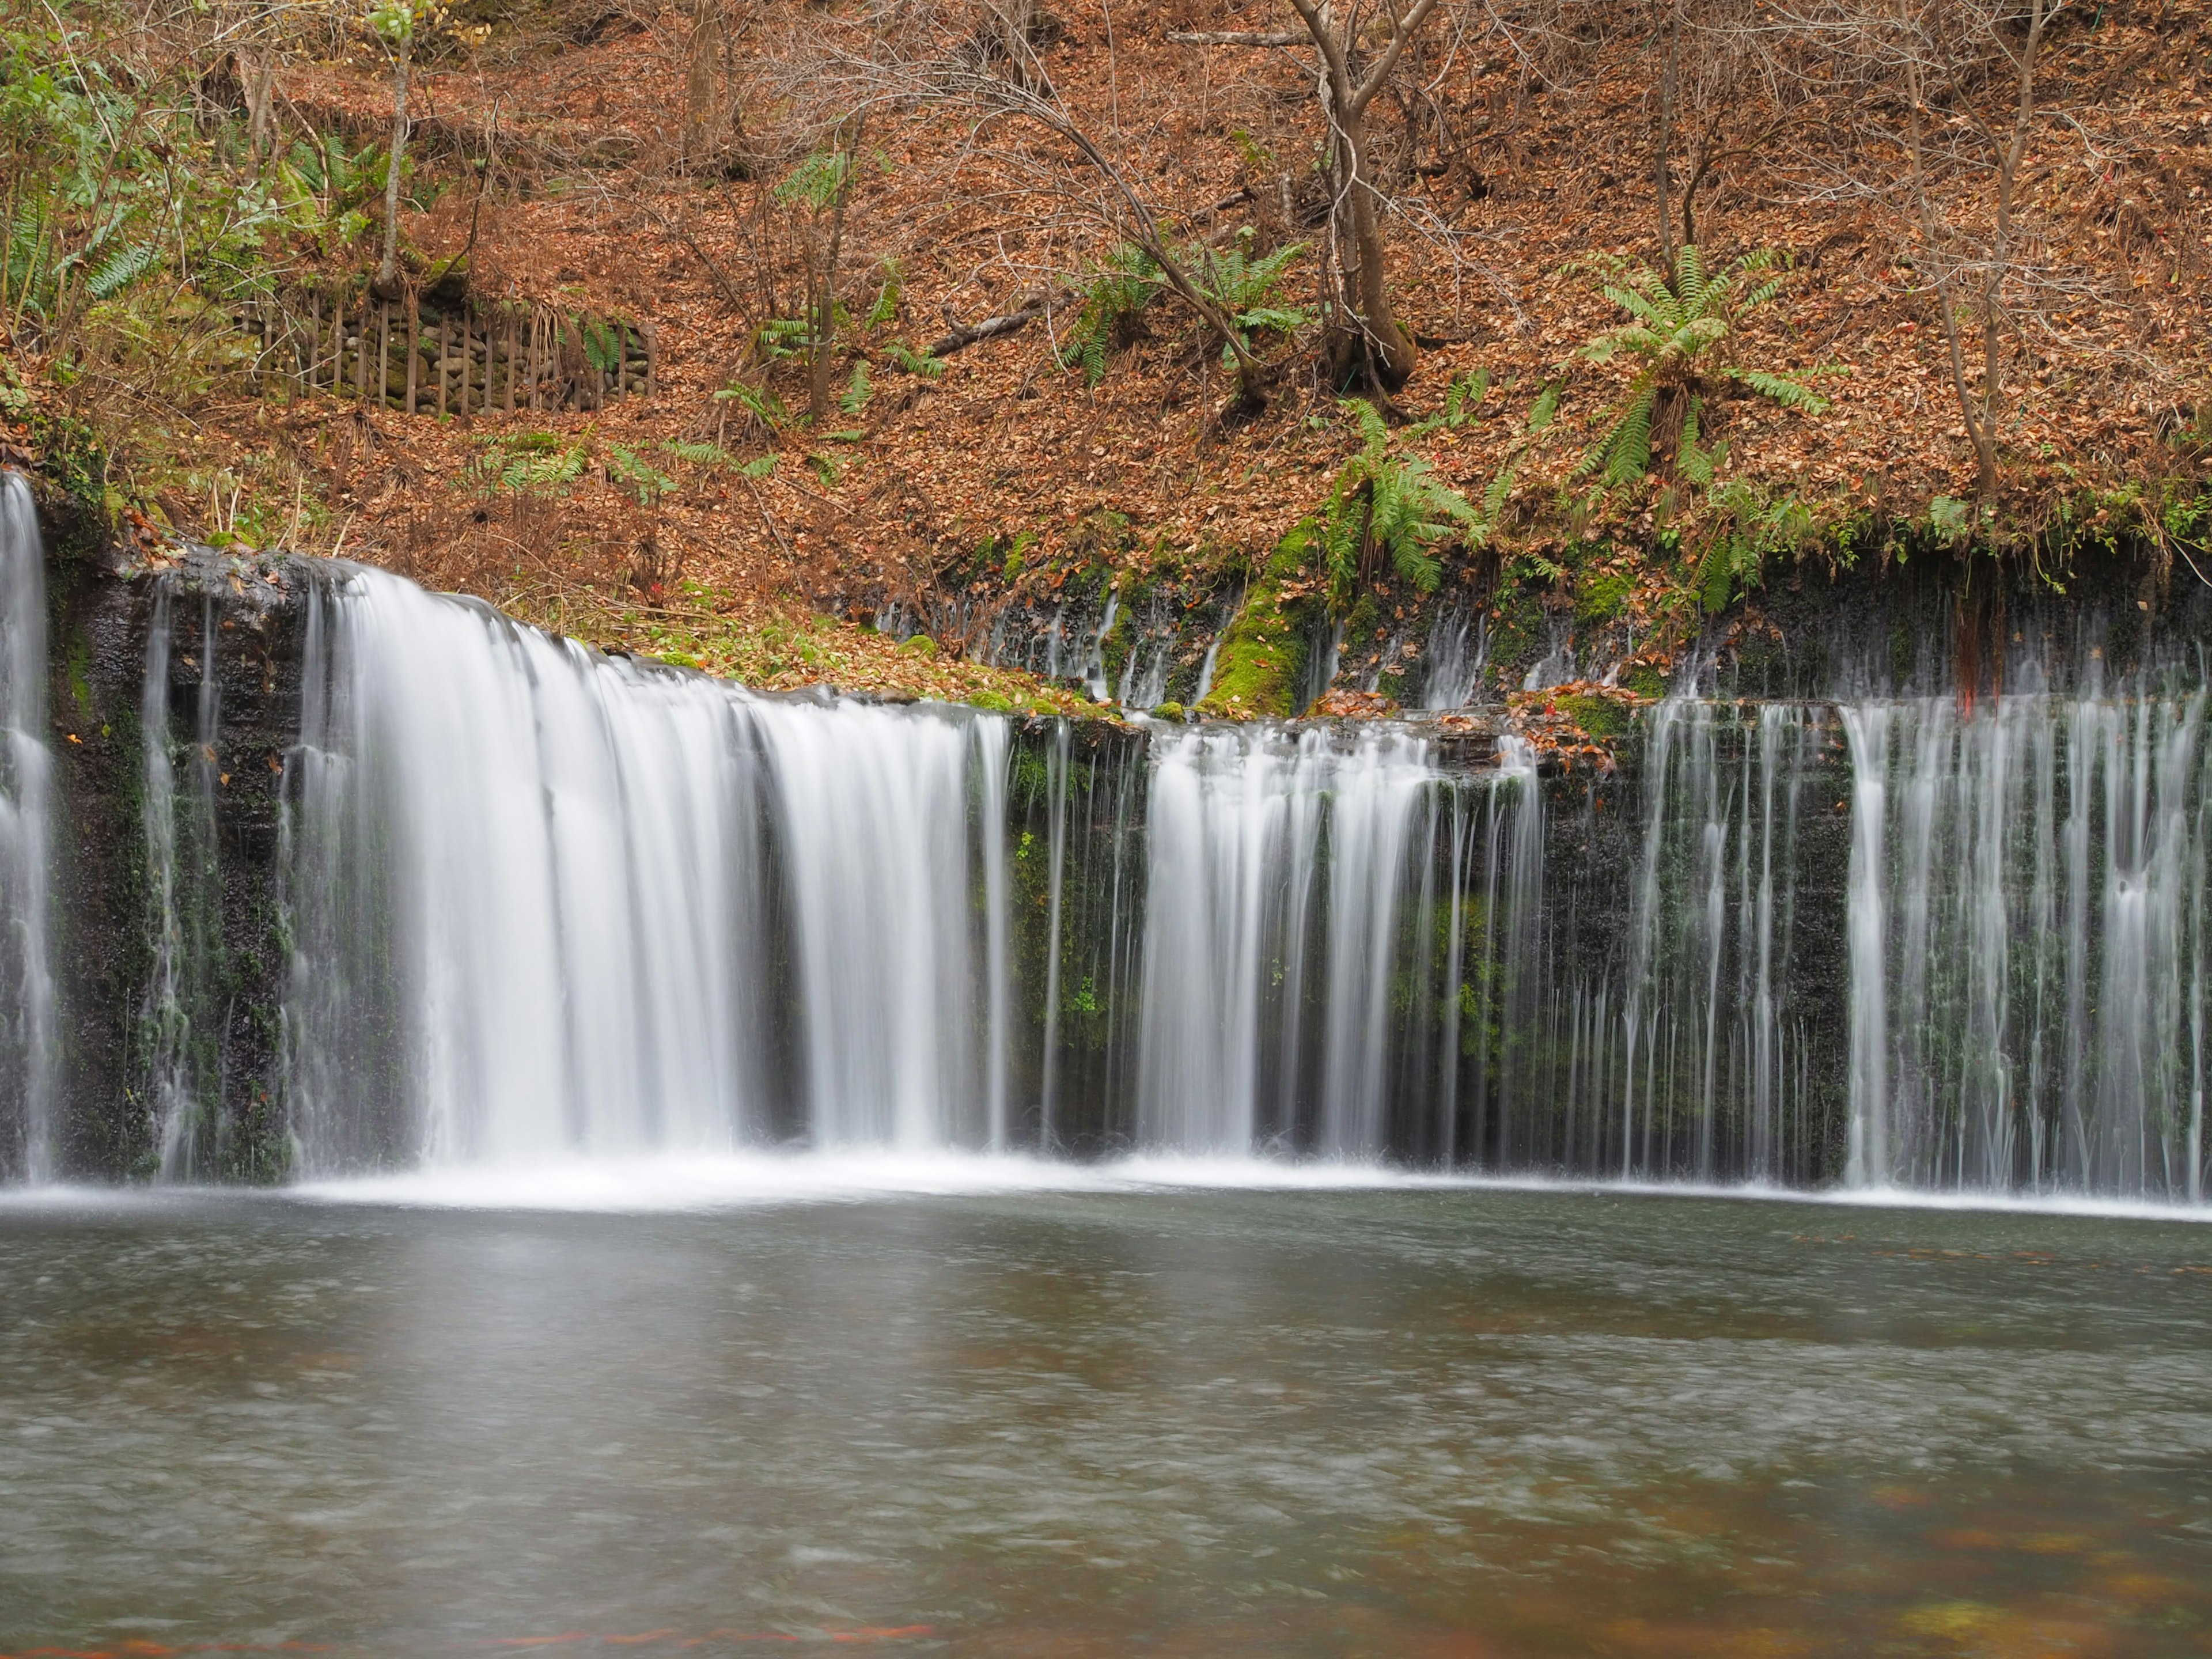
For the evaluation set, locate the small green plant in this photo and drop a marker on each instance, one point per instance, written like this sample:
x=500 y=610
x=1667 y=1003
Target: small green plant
x=758 y=402
x=1244 y=288
x=1391 y=507
x=1113 y=300
x=905 y=357
x=1744 y=527
x=885 y=312
x=783 y=339
x=627 y=470
x=857 y=390
x=530 y=464
x=1129 y=280
x=1678 y=338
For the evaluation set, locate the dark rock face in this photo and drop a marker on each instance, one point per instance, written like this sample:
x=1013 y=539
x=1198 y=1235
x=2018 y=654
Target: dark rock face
x=174 y=696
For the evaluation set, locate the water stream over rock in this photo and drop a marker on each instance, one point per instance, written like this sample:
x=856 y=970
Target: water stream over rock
x=518 y=902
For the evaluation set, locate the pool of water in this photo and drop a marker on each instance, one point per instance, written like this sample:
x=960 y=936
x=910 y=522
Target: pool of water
x=1108 y=1421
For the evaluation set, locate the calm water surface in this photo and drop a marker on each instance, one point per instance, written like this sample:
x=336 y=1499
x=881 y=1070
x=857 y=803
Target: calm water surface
x=1393 y=1423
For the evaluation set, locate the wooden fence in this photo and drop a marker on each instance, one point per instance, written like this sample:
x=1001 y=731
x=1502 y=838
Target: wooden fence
x=462 y=360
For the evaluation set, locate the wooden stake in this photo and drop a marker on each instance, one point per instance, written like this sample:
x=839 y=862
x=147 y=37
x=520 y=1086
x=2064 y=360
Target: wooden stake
x=510 y=360
x=649 y=336
x=445 y=337
x=384 y=355
x=414 y=347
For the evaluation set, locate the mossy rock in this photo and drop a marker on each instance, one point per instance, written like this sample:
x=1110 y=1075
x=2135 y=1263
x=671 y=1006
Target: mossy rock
x=1167 y=711
x=1600 y=717
x=1263 y=650
x=1647 y=681
x=921 y=644
x=993 y=701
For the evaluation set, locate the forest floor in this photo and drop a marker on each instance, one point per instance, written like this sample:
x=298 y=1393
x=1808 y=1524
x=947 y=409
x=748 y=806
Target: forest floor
x=993 y=483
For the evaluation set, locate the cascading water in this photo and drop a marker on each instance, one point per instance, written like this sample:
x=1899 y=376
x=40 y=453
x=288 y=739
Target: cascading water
x=543 y=903
x=1276 y=864
x=26 y=996
x=538 y=912
x=2028 y=942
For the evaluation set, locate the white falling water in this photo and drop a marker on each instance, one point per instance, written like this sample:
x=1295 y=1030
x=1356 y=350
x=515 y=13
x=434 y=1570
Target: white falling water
x=1458 y=651
x=26 y=997
x=1276 y=864
x=535 y=892
x=2028 y=939
x=1704 y=1055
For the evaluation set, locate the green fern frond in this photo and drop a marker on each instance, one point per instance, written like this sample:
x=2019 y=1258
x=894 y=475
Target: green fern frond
x=1784 y=389
x=857 y=390
x=696 y=454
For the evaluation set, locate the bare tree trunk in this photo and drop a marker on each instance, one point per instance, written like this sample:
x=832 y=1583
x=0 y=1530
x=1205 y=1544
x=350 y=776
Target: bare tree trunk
x=703 y=126
x=1388 y=347
x=387 y=267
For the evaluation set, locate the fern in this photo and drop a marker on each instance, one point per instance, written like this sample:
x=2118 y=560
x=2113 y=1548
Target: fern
x=602 y=345
x=758 y=402
x=886 y=309
x=760 y=467
x=1395 y=506
x=904 y=356
x=1679 y=323
x=626 y=468
x=696 y=454
x=122 y=268
x=1116 y=294
x=857 y=390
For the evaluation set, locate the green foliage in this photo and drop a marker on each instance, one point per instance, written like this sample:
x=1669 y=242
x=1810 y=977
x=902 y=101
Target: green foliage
x=783 y=339
x=1391 y=506
x=627 y=470
x=1116 y=294
x=818 y=180
x=1129 y=279
x=1244 y=288
x=857 y=390
x=1745 y=526
x=603 y=344
x=886 y=309
x=904 y=356
x=1951 y=521
x=697 y=453
x=530 y=464
x=758 y=402
x=1676 y=335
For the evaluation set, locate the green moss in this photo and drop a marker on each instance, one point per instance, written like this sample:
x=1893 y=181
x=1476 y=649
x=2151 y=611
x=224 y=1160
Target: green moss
x=992 y=701
x=1602 y=595
x=1169 y=711
x=1516 y=629
x=1263 y=650
x=1599 y=717
x=921 y=645
x=1646 y=681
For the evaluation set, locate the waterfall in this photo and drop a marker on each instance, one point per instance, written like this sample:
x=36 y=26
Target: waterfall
x=1706 y=1033
x=1273 y=897
x=1458 y=651
x=549 y=901
x=26 y=996
x=2028 y=942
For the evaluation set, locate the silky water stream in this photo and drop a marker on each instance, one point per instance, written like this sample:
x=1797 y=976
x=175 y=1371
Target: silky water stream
x=771 y=1171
